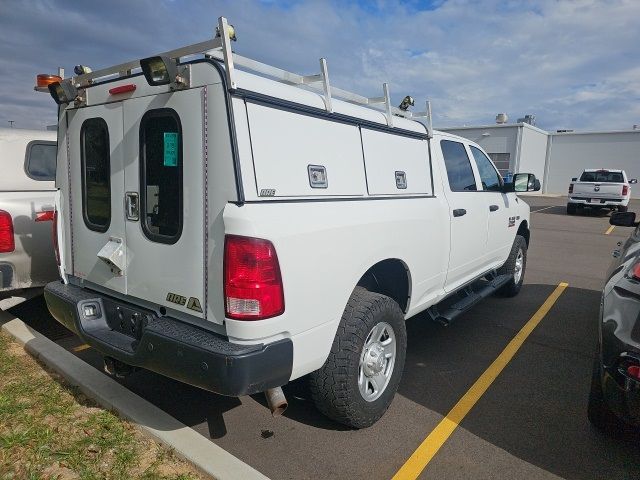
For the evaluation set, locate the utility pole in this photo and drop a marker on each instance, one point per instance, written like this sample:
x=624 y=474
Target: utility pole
x=11 y=122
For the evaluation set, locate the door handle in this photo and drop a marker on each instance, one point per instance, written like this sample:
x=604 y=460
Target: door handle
x=493 y=208
x=458 y=212
x=132 y=206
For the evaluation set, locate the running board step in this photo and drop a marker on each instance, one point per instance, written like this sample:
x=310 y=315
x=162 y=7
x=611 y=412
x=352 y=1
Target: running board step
x=469 y=296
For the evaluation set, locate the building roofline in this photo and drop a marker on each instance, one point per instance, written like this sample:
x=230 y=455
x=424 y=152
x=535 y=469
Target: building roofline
x=496 y=125
x=505 y=125
x=595 y=132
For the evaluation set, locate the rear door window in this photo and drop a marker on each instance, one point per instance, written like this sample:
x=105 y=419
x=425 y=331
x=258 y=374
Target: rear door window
x=161 y=175
x=96 y=174
x=459 y=171
x=41 y=160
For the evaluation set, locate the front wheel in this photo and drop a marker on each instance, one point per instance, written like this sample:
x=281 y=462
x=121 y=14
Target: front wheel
x=358 y=381
x=514 y=266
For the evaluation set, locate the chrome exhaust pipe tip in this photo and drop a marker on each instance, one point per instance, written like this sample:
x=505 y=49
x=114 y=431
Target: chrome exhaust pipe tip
x=276 y=400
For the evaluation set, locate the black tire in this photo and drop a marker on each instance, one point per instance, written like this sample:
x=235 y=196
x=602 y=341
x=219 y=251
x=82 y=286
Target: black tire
x=623 y=208
x=598 y=412
x=571 y=208
x=334 y=388
x=512 y=287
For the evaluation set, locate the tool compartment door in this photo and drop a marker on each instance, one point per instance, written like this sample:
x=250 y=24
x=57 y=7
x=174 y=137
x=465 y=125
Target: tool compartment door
x=164 y=166
x=297 y=155
x=95 y=192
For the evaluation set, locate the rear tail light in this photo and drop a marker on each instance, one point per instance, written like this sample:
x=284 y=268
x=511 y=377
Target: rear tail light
x=625 y=190
x=7 y=241
x=571 y=188
x=634 y=371
x=252 y=281
x=46 y=216
x=634 y=271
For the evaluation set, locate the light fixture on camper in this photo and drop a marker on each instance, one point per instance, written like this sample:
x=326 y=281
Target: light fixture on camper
x=81 y=70
x=406 y=103
x=162 y=70
x=231 y=30
x=63 y=92
x=159 y=70
x=43 y=80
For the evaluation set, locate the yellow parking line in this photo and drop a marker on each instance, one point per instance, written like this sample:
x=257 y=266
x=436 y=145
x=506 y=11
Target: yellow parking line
x=80 y=348
x=610 y=229
x=436 y=439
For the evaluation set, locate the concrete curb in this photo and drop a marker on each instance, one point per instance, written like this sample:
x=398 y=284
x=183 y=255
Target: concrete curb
x=202 y=453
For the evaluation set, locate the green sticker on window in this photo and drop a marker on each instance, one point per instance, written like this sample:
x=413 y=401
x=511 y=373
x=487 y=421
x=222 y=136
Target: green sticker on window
x=170 y=149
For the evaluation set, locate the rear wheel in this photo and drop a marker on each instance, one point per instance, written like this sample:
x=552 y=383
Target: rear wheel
x=358 y=381
x=571 y=208
x=514 y=266
x=623 y=208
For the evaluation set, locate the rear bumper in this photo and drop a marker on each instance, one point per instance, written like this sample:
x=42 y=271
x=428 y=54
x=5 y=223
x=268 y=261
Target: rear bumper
x=598 y=202
x=192 y=355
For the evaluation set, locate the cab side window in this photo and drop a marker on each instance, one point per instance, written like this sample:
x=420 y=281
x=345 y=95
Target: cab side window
x=459 y=171
x=491 y=180
x=161 y=175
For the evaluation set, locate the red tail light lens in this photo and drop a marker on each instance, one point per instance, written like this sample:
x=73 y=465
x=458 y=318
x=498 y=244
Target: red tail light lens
x=7 y=241
x=45 y=216
x=571 y=188
x=625 y=190
x=252 y=281
x=634 y=371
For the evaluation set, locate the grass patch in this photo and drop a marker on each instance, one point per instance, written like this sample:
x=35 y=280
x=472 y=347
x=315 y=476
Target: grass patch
x=50 y=430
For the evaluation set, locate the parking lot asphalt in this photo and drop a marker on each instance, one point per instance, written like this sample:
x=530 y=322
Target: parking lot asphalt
x=530 y=423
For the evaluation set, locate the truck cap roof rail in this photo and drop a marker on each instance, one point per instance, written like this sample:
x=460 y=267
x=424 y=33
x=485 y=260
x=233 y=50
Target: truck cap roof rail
x=220 y=48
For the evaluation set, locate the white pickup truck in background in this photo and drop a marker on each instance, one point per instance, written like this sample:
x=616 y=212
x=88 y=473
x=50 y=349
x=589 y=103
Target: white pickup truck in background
x=599 y=188
x=27 y=193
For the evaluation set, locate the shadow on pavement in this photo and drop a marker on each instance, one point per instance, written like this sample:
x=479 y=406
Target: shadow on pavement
x=581 y=212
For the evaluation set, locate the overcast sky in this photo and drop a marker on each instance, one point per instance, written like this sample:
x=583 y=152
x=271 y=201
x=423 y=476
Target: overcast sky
x=573 y=64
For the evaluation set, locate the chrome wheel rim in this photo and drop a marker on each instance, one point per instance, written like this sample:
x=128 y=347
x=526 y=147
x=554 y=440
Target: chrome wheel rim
x=519 y=267
x=377 y=360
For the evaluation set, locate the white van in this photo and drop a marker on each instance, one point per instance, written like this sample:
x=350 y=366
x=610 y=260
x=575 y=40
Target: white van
x=236 y=232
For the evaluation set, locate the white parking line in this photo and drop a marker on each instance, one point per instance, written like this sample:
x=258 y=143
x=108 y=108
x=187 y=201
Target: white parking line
x=545 y=208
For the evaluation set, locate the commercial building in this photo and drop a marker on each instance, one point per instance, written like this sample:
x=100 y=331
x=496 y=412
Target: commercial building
x=556 y=157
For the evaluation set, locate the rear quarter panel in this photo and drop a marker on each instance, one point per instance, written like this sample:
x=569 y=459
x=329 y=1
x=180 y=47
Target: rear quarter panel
x=324 y=248
x=32 y=263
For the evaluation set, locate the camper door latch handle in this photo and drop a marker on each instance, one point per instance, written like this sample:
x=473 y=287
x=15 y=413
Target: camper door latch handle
x=132 y=206
x=459 y=212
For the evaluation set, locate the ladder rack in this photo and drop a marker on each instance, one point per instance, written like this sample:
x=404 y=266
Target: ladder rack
x=220 y=48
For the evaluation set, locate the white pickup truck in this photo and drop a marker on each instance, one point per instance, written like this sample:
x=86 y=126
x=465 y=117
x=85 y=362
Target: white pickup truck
x=600 y=188
x=27 y=191
x=237 y=232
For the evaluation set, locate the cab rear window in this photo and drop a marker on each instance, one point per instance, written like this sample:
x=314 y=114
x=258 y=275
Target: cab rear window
x=96 y=174
x=161 y=175
x=602 y=176
x=41 y=160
